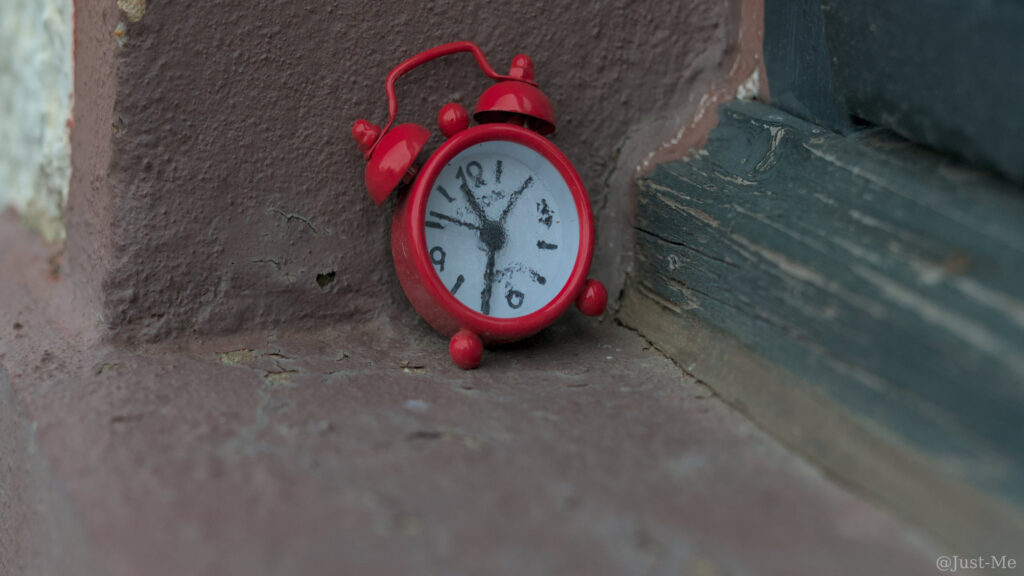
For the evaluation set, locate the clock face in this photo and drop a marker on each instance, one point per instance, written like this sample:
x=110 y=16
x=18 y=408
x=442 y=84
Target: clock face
x=502 y=229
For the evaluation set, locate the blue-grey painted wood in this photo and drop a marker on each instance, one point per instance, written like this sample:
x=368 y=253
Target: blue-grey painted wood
x=797 y=63
x=945 y=73
x=885 y=275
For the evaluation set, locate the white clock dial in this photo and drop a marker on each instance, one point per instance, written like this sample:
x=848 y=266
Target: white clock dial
x=502 y=229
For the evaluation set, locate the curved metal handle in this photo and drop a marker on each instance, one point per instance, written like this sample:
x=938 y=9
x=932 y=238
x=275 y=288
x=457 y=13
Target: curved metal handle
x=423 y=58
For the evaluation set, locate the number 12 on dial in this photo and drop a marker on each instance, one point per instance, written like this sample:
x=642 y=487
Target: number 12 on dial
x=502 y=228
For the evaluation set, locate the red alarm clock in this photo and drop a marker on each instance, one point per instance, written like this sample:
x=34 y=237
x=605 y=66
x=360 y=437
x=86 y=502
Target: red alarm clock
x=494 y=238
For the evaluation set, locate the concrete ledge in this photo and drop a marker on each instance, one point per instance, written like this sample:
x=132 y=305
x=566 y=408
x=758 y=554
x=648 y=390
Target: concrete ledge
x=850 y=450
x=363 y=450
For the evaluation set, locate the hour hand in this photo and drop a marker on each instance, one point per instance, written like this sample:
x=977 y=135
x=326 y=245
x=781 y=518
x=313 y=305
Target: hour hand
x=485 y=294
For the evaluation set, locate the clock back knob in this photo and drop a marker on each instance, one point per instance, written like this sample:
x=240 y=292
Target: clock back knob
x=522 y=68
x=452 y=119
x=365 y=134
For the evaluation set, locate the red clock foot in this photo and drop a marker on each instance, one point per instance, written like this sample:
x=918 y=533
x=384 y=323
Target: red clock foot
x=466 y=349
x=593 y=298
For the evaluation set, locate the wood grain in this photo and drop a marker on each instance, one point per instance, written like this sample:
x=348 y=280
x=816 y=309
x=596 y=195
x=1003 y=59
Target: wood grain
x=885 y=277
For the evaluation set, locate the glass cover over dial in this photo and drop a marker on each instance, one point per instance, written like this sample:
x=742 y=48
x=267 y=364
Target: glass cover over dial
x=502 y=229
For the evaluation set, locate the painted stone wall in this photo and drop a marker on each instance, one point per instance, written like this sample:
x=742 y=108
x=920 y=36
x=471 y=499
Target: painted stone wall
x=35 y=110
x=215 y=179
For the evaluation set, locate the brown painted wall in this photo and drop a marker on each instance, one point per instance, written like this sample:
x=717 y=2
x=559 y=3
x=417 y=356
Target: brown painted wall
x=214 y=174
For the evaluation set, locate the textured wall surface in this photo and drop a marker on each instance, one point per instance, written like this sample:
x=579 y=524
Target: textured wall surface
x=35 y=109
x=215 y=178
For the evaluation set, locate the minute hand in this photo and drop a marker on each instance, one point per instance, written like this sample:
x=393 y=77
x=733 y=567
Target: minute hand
x=470 y=199
x=514 y=198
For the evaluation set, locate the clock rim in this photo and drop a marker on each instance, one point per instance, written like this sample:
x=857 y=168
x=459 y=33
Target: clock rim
x=460 y=316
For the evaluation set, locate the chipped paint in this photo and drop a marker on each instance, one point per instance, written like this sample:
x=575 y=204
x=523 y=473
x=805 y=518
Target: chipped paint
x=35 y=110
x=750 y=87
x=121 y=34
x=237 y=357
x=742 y=82
x=967 y=330
x=133 y=9
x=1002 y=303
x=769 y=160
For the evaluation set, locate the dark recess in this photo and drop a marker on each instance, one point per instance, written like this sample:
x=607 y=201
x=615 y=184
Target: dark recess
x=943 y=73
x=323 y=280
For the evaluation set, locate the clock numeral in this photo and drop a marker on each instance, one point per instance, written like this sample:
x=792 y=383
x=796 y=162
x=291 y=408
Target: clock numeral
x=477 y=175
x=538 y=278
x=497 y=172
x=432 y=224
x=445 y=193
x=545 y=246
x=514 y=299
x=437 y=256
x=458 y=284
x=546 y=213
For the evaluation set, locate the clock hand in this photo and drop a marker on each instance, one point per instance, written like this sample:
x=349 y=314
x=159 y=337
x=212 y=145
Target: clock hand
x=485 y=294
x=470 y=199
x=448 y=218
x=515 y=198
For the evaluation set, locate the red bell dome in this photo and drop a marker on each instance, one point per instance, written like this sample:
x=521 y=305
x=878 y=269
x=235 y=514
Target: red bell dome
x=392 y=158
x=507 y=99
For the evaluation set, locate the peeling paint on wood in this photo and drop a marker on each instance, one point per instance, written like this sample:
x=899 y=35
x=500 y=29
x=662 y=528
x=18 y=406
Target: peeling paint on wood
x=887 y=277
